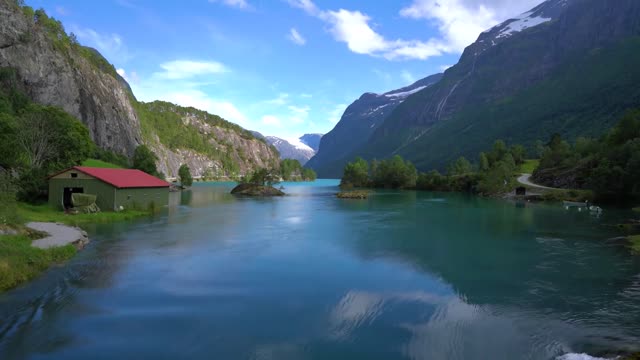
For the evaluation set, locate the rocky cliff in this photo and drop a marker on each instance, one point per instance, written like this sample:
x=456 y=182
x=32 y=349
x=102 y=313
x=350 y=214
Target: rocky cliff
x=211 y=146
x=55 y=70
x=67 y=79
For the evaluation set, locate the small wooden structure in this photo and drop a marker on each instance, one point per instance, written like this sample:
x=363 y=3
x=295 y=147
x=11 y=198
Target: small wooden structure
x=521 y=191
x=116 y=189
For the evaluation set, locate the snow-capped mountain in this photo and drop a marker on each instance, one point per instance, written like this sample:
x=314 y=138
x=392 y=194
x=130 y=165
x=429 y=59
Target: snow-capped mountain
x=294 y=148
x=565 y=66
x=541 y=14
x=312 y=140
x=359 y=121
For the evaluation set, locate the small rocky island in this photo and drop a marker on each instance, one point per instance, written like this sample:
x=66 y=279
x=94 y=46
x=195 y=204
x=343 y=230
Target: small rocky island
x=259 y=184
x=256 y=190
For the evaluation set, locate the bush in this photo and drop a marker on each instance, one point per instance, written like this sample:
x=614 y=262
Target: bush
x=394 y=173
x=8 y=208
x=356 y=174
x=184 y=173
x=145 y=160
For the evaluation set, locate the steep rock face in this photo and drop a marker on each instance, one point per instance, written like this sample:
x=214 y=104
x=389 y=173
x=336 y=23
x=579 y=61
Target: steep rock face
x=359 y=121
x=542 y=72
x=69 y=81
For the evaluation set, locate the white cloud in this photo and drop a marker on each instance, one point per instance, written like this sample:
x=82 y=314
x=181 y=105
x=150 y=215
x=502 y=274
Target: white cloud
x=200 y=100
x=336 y=113
x=306 y=96
x=384 y=76
x=185 y=69
x=296 y=38
x=110 y=46
x=352 y=28
x=443 y=68
x=238 y=4
x=307 y=5
x=122 y=73
x=298 y=114
x=62 y=11
x=271 y=120
x=282 y=99
x=408 y=77
x=459 y=22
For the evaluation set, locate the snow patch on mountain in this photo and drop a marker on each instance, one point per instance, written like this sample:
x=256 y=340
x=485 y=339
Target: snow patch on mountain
x=298 y=144
x=404 y=93
x=524 y=21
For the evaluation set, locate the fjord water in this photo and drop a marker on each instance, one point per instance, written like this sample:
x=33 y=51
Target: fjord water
x=403 y=275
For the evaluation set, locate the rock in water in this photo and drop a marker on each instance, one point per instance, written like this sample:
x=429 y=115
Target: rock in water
x=256 y=190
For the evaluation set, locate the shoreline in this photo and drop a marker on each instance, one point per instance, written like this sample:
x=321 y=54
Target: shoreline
x=58 y=235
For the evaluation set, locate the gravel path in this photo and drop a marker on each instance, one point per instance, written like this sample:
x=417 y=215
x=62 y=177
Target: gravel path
x=525 y=179
x=59 y=235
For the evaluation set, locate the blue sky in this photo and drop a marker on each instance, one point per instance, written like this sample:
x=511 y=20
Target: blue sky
x=281 y=67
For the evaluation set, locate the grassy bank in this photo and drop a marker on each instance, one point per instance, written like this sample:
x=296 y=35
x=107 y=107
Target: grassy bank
x=21 y=262
x=354 y=194
x=100 y=164
x=529 y=166
x=559 y=195
x=45 y=213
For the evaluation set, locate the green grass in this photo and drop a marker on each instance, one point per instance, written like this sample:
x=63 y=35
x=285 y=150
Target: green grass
x=636 y=209
x=354 y=194
x=568 y=195
x=100 y=164
x=45 y=213
x=529 y=166
x=21 y=262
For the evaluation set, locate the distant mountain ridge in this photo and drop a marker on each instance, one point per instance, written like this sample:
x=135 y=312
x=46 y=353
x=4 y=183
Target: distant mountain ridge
x=301 y=149
x=312 y=140
x=359 y=121
x=566 y=66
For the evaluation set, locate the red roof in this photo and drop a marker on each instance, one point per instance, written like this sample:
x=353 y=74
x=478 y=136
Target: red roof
x=123 y=178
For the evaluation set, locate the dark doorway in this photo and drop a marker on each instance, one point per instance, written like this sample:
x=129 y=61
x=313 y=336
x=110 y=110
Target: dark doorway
x=66 y=199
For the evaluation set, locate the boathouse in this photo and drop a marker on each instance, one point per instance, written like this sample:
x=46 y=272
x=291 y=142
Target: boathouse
x=116 y=189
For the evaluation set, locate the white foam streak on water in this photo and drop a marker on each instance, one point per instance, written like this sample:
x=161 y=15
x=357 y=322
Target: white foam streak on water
x=574 y=356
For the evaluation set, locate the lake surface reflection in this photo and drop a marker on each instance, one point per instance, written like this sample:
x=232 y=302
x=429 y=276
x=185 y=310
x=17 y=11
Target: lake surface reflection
x=403 y=275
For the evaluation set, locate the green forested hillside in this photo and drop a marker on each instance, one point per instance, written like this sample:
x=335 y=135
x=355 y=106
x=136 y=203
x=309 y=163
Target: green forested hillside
x=178 y=127
x=583 y=97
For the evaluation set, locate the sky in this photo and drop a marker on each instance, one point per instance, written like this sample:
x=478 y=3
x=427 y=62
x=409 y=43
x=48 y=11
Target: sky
x=281 y=67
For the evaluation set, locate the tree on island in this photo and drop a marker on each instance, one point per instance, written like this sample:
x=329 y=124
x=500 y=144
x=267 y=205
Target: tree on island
x=184 y=173
x=261 y=177
x=259 y=184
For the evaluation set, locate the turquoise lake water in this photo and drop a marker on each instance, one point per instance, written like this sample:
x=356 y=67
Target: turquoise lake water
x=402 y=275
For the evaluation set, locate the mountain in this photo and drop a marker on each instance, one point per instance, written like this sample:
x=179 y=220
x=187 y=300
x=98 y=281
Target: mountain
x=55 y=70
x=359 y=121
x=566 y=66
x=312 y=140
x=292 y=148
x=209 y=145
